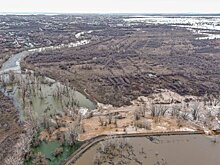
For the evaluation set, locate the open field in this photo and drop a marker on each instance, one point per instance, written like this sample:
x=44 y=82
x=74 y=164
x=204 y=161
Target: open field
x=121 y=67
x=18 y=33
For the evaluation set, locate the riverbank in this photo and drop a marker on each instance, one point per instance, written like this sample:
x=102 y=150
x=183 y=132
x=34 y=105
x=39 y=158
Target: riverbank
x=166 y=111
x=10 y=130
x=37 y=98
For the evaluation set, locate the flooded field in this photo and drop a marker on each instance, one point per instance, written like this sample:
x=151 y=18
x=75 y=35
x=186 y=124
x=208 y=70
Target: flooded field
x=207 y=26
x=39 y=96
x=43 y=90
x=160 y=150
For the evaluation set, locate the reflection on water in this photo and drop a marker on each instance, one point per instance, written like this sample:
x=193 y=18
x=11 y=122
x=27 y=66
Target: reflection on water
x=43 y=95
x=168 y=150
x=39 y=96
x=48 y=148
x=49 y=97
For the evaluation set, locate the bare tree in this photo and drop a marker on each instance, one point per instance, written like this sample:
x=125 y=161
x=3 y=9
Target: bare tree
x=154 y=111
x=71 y=136
x=116 y=151
x=195 y=110
x=157 y=111
x=101 y=121
x=46 y=122
x=137 y=115
x=184 y=115
x=163 y=109
x=143 y=109
x=11 y=75
x=215 y=100
x=109 y=118
x=176 y=111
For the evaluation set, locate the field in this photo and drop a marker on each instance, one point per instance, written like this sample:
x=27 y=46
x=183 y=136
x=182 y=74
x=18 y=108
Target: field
x=142 y=61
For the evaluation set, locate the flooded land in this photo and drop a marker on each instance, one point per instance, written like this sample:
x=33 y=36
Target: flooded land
x=161 y=150
x=137 y=59
x=68 y=80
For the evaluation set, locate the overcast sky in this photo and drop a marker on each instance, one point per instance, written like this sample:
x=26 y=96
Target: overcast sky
x=111 y=6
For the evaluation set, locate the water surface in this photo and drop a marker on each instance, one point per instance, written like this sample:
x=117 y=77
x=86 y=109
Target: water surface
x=168 y=150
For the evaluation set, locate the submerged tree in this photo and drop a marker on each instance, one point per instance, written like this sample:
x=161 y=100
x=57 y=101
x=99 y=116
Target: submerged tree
x=39 y=159
x=116 y=151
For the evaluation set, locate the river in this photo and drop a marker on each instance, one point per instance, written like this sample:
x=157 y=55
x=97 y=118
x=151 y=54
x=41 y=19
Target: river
x=41 y=97
x=44 y=100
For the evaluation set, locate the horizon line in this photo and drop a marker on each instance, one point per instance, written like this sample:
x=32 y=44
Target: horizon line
x=102 y=13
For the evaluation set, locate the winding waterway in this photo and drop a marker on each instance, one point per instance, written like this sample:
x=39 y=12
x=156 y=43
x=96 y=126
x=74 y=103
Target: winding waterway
x=44 y=100
x=42 y=97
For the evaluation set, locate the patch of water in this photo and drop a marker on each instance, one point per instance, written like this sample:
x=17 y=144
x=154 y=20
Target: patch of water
x=204 y=25
x=172 y=150
x=42 y=100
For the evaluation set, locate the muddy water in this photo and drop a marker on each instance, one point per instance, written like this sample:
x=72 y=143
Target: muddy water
x=168 y=150
x=44 y=101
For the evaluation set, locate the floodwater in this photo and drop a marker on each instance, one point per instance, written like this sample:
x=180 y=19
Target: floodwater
x=43 y=100
x=208 y=26
x=167 y=150
x=48 y=148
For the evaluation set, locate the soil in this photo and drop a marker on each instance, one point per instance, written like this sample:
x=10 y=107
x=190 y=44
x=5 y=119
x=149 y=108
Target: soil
x=123 y=119
x=142 y=61
x=10 y=129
